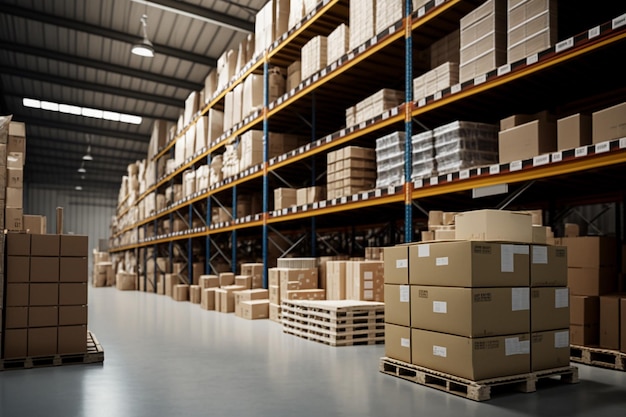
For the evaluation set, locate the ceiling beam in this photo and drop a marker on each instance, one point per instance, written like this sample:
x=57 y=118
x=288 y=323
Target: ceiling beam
x=134 y=137
x=41 y=163
x=105 y=66
x=45 y=178
x=38 y=141
x=76 y=157
x=104 y=32
x=201 y=13
x=91 y=86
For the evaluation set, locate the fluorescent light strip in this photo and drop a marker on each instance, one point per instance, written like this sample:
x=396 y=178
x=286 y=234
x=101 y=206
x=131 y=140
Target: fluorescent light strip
x=82 y=111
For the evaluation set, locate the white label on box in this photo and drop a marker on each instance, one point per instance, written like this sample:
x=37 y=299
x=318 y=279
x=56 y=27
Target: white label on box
x=532 y=59
x=418 y=184
x=512 y=346
x=391 y=189
x=323 y=73
x=622 y=143
x=440 y=307
x=333 y=66
x=440 y=351
x=405 y=293
x=329 y=138
x=561 y=339
x=540 y=255
x=362 y=125
x=582 y=151
x=294 y=209
x=421 y=102
x=378 y=193
x=404 y=342
x=480 y=79
x=455 y=88
x=315 y=205
x=344 y=200
x=285 y=211
x=438 y=95
x=563 y=45
x=507 y=260
x=442 y=261
x=515 y=166
x=465 y=174
x=394 y=111
x=593 y=32
x=368 y=275
x=385 y=115
x=350 y=55
x=423 y=251
x=557 y=157
x=364 y=195
x=392 y=30
x=504 y=69
x=438 y=2
x=603 y=147
x=421 y=12
x=561 y=298
x=520 y=299
x=316 y=77
x=322 y=204
x=355 y=197
x=342 y=132
x=368 y=285
x=402 y=263
x=368 y=294
x=362 y=48
x=434 y=181
x=494 y=169
x=541 y=160
x=619 y=21
x=449 y=177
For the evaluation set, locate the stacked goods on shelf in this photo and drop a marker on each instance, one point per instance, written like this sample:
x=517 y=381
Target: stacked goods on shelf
x=435 y=80
x=294 y=75
x=608 y=123
x=271 y=22
x=310 y=195
x=350 y=170
x=373 y=106
x=362 y=22
x=355 y=280
x=573 y=131
x=102 y=269
x=390 y=160
x=314 y=54
x=423 y=155
x=460 y=145
x=46 y=295
x=532 y=28
x=524 y=136
x=285 y=198
x=490 y=304
x=12 y=160
x=388 y=12
x=483 y=40
x=338 y=43
x=445 y=50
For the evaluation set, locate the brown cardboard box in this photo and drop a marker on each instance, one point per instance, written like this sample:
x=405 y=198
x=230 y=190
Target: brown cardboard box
x=170 y=281
x=475 y=359
x=181 y=292
x=43 y=316
x=550 y=349
x=609 y=123
x=573 y=131
x=609 y=321
x=275 y=311
x=398 y=304
x=45 y=245
x=209 y=281
x=15 y=343
x=18 y=244
x=591 y=281
x=72 y=339
x=226 y=302
x=398 y=342
x=477 y=312
x=17 y=295
x=13 y=219
x=73 y=269
x=14 y=198
x=16 y=317
x=285 y=198
x=584 y=335
x=365 y=281
x=306 y=277
x=526 y=141
x=226 y=278
x=35 y=225
x=42 y=341
x=310 y=294
x=14 y=177
x=74 y=245
x=273 y=276
x=469 y=264
x=71 y=294
x=44 y=268
x=18 y=269
x=274 y=294
x=72 y=315
x=396 y=260
x=336 y=280
x=590 y=251
x=548 y=266
x=44 y=295
x=623 y=325
x=125 y=281
x=549 y=308
x=494 y=225
x=207 y=298
x=584 y=310
x=255 y=309
x=195 y=294
x=244 y=281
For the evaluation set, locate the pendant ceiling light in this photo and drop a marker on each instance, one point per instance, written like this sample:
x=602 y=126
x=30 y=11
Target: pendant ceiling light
x=144 y=48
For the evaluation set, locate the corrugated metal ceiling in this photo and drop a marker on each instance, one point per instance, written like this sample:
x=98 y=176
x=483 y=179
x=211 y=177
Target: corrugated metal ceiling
x=78 y=52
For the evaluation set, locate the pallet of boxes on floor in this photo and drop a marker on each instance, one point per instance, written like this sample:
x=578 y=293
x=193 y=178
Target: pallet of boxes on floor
x=489 y=307
x=43 y=283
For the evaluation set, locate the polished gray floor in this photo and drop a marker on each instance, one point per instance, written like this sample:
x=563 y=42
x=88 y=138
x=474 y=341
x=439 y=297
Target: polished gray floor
x=164 y=358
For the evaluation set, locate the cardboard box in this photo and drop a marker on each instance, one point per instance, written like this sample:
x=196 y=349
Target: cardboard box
x=398 y=304
x=592 y=281
x=469 y=264
x=16 y=317
x=274 y=294
x=609 y=321
x=18 y=244
x=573 y=131
x=311 y=294
x=584 y=335
x=475 y=359
x=224 y=301
x=549 y=308
x=548 y=266
x=273 y=276
x=45 y=245
x=365 y=281
x=255 y=309
x=398 y=342
x=584 y=310
x=44 y=269
x=590 y=251
x=13 y=219
x=307 y=278
x=72 y=339
x=72 y=315
x=550 y=349
x=73 y=269
x=74 y=245
x=207 y=298
x=244 y=281
x=285 y=198
x=181 y=292
x=17 y=295
x=195 y=294
x=15 y=177
x=209 y=281
x=396 y=265
x=477 y=312
x=494 y=225
x=17 y=269
x=14 y=197
x=335 y=280
x=71 y=294
x=15 y=343
x=42 y=341
x=609 y=123
x=45 y=295
x=527 y=141
x=275 y=312
x=43 y=316
x=226 y=278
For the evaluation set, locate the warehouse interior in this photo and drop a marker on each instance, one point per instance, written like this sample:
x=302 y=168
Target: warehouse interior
x=259 y=154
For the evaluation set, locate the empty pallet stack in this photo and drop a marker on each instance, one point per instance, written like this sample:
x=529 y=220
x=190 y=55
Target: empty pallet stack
x=490 y=306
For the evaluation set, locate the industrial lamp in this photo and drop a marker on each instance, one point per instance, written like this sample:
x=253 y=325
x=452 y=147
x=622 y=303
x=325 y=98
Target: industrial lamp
x=144 y=48
x=87 y=156
x=82 y=169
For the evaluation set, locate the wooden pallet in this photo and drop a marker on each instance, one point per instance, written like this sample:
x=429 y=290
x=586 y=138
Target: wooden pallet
x=94 y=354
x=595 y=356
x=350 y=340
x=473 y=390
x=342 y=327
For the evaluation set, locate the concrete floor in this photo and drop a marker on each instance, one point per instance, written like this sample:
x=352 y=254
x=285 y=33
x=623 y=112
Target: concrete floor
x=164 y=358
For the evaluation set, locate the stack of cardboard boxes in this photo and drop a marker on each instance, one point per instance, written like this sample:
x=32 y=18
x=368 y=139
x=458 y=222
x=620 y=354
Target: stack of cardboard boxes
x=532 y=27
x=350 y=170
x=338 y=43
x=373 y=106
x=435 y=80
x=102 y=269
x=388 y=12
x=12 y=157
x=362 y=22
x=390 y=160
x=314 y=56
x=488 y=305
x=355 y=280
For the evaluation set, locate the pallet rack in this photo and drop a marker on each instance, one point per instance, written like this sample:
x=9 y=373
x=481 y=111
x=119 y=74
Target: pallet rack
x=548 y=80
